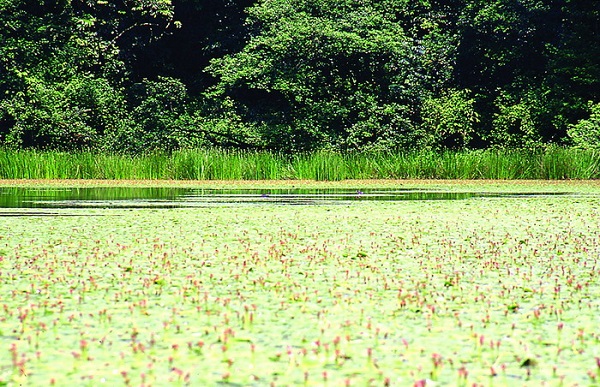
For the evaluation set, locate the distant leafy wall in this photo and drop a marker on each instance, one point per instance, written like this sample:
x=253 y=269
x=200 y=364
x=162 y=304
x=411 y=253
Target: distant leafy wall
x=298 y=75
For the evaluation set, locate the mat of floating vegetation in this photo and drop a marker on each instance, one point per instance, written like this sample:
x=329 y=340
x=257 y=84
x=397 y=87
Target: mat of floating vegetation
x=499 y=291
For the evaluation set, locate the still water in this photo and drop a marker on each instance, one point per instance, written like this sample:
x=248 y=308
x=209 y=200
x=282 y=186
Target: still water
x=135 y=197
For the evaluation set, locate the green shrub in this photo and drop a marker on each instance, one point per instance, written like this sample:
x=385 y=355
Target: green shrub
x=515 y=125
x=68 y=115
x=586 y=132
x=448 y=121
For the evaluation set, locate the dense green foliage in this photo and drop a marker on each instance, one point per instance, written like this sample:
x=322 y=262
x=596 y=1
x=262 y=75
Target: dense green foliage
x=298 y=75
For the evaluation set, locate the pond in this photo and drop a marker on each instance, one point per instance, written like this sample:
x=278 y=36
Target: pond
x=165 y=197
x=359 y=286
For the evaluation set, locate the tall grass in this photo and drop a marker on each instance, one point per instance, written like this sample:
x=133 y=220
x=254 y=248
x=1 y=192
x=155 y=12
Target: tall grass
x=552 y=163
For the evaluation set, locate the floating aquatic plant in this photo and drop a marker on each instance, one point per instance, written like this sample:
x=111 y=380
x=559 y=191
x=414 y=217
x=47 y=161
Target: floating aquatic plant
x=483 y=291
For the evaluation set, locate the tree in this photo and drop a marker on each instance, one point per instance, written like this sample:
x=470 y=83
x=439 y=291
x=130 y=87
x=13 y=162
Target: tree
x=449 y=120
x=205 y=30
x=573 y=72
x=297 y=75
x=586 y=132
x=349 y=75
x=532 y=66
x=63 y=66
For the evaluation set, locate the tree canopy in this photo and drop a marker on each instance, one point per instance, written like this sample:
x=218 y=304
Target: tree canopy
x=298 y=75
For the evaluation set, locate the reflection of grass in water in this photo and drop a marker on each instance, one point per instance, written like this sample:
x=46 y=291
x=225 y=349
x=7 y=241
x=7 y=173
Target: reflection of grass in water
x=461 y=292
x=164 y=197
x=554 y=163
x=27 y=196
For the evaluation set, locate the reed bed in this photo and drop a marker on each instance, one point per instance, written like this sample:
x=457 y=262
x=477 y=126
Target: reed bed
x=554 y=163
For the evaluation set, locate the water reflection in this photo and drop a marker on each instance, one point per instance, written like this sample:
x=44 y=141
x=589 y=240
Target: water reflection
x=135 y=197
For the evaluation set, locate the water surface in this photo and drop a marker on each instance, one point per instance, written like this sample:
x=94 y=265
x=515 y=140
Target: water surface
x=144 y=197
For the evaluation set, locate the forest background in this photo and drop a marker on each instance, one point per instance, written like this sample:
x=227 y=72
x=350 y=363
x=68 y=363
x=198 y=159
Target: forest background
x=133 y=76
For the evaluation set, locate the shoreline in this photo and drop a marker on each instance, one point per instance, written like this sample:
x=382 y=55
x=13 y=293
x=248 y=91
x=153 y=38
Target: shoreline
x=551 y=185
